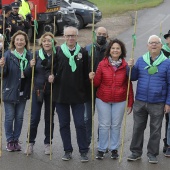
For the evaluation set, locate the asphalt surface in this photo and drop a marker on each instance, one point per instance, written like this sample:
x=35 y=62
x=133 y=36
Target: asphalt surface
x=148 y=24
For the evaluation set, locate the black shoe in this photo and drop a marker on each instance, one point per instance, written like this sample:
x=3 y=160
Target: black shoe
x=133 y=157
x=100 y=155
x=167 y=153
x=114 y=154
x=84 y=157
x=67 y=156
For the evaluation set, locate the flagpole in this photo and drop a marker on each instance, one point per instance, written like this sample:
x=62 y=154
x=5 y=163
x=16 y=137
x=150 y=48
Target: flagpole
x=32 y=80
x=51 y=99
x=2 y=85
x=92 y=87
x=128 y=88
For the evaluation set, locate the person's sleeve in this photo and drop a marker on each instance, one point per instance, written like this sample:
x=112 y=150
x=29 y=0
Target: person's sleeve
x=98 y=76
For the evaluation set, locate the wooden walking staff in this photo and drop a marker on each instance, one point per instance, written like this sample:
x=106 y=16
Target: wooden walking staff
x=92 y=88
x=32 y=80
x=130 y=70
x=51 y=96
x=2 y=85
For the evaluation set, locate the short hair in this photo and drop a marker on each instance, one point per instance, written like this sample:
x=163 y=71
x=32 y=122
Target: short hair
x=154 y=36
x=122 y=46
x=96 y=30
x=71 y=27
x=47 y=34
x=12 y=46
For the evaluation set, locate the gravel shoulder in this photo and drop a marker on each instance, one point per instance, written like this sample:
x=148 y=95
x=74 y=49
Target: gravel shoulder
x=115 y=25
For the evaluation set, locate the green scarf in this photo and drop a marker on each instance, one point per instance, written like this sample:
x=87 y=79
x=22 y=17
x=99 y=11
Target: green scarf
x=67 y=53
x=41 y=54
x=152 y=69
x=22 y=58
x=166 y=47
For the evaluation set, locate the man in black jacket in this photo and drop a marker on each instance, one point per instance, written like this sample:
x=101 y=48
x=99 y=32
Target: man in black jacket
x=17 y=21
x=70 y=92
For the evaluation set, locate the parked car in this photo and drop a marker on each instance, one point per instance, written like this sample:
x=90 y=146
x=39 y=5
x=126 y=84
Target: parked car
x=84 y=12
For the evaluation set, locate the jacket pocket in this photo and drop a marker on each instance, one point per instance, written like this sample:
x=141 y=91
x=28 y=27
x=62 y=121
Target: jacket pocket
x=6 y=94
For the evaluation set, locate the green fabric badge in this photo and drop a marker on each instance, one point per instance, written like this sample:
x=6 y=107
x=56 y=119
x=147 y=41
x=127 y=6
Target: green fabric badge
x=152 y=70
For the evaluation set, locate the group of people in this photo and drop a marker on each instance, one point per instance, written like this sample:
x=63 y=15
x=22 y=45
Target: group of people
x=67 y=68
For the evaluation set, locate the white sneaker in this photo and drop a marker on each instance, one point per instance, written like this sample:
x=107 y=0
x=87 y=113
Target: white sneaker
x=47 y=149
x=29 y=150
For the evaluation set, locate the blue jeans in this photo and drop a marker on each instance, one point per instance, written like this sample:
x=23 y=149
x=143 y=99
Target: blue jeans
x=88 y=120
x=63 y=111
x=14 y=113
x=35 y=118
x=110 y=116
x=168 y=131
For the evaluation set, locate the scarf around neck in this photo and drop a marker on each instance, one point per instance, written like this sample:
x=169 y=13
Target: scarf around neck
x=115 y=63
x=166 y=47
x=41 y=54
x=67 y=53
x=22 y=58
x=152 y=69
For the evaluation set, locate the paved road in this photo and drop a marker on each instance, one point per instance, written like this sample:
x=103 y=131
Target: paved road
x=148 y=24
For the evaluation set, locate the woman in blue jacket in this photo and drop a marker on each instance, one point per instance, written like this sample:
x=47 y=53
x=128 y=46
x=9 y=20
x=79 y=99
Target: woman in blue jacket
x=16 y=87
x=41 y=92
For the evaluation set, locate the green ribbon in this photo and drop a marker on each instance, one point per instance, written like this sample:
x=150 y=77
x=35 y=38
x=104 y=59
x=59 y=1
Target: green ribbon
x=67 y=53
x=22 y=58
x=36 y=26
x=134 y=40
x=53 y=46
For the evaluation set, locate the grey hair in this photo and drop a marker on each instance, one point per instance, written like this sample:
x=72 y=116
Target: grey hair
x=71 y=27
x=154 y=36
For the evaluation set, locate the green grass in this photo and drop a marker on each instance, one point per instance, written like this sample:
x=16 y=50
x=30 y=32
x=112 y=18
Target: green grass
x=109 y=7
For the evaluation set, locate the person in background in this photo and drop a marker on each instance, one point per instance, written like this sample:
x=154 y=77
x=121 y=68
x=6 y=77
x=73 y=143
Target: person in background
x=111 y=81
x=16 y=65
x=152 y=70
x=42 y=92
x=166 y=51
x=70 y=92
x=17 y=21
x=8 y=27
x=99 y=50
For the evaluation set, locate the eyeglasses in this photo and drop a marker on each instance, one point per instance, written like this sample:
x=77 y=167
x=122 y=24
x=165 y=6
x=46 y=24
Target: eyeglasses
x=70 y=36
x=156 y=43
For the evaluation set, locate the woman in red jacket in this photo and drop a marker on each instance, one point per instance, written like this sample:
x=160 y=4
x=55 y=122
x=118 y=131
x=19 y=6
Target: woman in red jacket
x=111 y=81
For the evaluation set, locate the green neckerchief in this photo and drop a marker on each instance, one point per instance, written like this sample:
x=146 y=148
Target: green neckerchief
x=152 y=69
x=67 y=53
x=41 y=54
x=23 y=60
x=166 y=47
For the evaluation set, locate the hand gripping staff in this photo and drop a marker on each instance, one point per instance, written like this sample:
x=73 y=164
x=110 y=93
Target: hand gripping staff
x=129 y=77
x=92 y=88
x=32 y=80
x=2 y=85
x=51 y=96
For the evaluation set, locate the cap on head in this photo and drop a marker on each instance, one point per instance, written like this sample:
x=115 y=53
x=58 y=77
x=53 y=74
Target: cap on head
x=15 y=5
